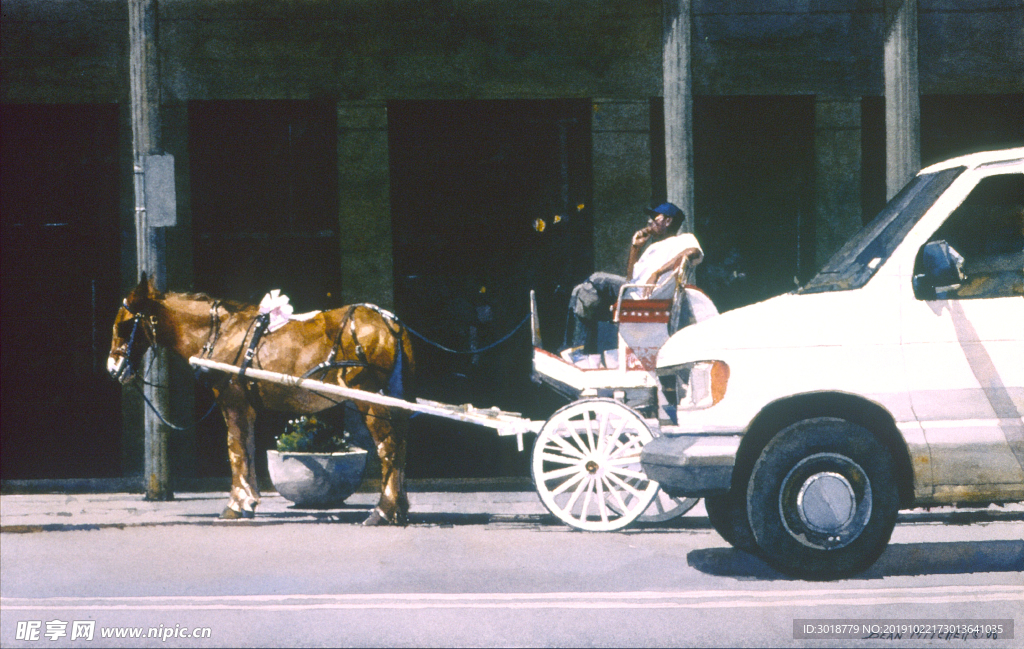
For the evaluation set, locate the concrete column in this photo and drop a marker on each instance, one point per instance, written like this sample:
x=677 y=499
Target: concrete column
x=837 y=161
x=621 y=158
x=902 y=95
x=364 y=203
x=678 y=106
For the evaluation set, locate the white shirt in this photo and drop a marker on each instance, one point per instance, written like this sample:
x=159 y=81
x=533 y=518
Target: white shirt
x=657 y=255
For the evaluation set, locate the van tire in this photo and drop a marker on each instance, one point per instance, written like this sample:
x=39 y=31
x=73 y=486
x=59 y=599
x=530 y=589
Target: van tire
x=822 y=499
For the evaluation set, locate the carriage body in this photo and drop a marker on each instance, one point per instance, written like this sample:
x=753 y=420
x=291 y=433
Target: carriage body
x=586 y=458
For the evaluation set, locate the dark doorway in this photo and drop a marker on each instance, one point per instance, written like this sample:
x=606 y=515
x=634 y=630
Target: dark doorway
x=754 y=193
x=953 y=125
x=489 y=200
x=264 y=216
x=61 y=415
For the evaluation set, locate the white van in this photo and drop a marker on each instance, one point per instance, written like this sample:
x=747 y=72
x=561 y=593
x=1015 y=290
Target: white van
x=894 y=378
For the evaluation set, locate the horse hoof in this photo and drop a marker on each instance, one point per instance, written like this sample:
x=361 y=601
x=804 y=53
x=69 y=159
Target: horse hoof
x=376 y=518
x=233 y=515
x=230 y=514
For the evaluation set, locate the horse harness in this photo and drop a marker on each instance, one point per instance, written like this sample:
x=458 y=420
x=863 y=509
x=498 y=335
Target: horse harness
x=259 y=328
x=125 y=350
x=330 y=362
x=214 y=335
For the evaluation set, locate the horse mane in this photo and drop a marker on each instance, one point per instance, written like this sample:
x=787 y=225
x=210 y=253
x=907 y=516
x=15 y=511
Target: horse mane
x=231 y=306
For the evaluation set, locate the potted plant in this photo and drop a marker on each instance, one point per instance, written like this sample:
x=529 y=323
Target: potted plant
x=314 y=466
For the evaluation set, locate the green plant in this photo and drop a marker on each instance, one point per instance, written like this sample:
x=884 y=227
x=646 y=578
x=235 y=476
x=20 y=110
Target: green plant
x=307 y=434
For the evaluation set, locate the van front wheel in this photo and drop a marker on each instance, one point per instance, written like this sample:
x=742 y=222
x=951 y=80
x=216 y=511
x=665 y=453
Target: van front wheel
x=822 y=499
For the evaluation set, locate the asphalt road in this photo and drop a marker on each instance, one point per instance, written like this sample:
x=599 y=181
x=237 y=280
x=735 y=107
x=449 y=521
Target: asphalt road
x=467 y=579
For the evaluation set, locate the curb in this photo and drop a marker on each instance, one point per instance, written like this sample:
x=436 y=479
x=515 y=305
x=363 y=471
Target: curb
x=136 y=485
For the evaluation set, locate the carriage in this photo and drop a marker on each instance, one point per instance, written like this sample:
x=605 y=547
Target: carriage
x=586 y=457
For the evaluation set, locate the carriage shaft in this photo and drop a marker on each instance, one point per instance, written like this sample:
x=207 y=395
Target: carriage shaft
x=504 y=423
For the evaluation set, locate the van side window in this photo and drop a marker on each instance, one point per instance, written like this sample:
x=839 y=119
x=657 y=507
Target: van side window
x=979 y=251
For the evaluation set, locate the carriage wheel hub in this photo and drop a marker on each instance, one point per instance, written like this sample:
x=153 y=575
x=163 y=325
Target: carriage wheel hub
x=592 y=467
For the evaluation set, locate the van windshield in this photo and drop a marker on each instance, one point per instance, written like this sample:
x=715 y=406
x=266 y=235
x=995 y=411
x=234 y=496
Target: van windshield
x=858 y=260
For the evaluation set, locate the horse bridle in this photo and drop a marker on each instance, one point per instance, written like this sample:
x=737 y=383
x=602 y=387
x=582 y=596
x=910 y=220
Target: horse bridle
x=126 y=367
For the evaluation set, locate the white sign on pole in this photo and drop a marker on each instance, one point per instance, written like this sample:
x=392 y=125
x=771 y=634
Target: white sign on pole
x=161 y=200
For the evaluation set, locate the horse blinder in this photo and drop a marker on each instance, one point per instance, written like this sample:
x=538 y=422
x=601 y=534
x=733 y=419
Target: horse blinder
x=120 y=362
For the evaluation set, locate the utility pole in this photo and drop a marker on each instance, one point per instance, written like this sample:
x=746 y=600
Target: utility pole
x=677 y=88
x=144 y=87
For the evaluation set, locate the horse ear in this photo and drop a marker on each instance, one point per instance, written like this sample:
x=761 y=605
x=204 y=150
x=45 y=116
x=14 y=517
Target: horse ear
x=151 y=286
x=142 y=292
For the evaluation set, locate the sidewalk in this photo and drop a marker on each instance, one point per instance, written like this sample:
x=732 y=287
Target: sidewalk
x=439 y=501
x=432 y=502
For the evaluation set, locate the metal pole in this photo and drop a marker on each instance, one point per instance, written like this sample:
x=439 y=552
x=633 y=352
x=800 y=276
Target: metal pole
x=149 y=241
x=678 y=106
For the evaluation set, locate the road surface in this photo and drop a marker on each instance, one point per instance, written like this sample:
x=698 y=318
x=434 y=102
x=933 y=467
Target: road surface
x=473 y=579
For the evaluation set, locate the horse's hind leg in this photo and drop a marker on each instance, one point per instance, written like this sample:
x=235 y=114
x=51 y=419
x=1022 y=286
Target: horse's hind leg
x=240 y=418
x=388 y=428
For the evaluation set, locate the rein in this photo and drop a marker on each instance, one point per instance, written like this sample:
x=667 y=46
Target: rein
x=164 y=421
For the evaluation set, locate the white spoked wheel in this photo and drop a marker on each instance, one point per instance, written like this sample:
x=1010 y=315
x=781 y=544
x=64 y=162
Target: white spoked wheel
x=665 y=507
x=586 y=465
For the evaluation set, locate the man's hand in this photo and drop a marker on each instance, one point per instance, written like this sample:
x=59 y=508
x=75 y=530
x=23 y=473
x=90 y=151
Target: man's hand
x=693 y=255
x=651 y=282
x=640 y=237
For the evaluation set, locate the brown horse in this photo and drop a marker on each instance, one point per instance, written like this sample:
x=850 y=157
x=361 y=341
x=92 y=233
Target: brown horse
x=364 y=348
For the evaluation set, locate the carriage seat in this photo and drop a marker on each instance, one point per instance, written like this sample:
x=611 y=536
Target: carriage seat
x=640 y=327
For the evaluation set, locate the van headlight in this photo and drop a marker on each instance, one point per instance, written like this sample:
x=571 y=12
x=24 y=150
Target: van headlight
x=694 y=386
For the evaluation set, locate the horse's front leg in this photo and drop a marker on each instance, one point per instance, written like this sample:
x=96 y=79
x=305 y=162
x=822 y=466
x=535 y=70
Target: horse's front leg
x=388 y=428
x=240 y=418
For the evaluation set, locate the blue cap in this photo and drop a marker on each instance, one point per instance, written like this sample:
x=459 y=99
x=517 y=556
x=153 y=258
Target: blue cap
x=668 y=209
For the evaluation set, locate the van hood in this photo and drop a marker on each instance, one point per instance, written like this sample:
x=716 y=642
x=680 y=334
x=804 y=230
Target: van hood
x=786 y=321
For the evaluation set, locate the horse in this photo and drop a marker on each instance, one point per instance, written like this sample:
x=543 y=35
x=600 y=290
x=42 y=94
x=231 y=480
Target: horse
x=359 y=346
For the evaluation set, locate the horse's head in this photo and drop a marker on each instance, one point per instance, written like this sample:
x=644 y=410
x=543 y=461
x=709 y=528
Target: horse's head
x=135 y=331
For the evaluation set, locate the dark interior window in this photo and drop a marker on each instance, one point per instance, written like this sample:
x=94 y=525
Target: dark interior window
x=987 y=231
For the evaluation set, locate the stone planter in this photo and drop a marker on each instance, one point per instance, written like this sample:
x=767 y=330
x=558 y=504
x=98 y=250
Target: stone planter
x=316 y=479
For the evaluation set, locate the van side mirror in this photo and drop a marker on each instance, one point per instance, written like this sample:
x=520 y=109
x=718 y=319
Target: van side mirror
x=942 y=266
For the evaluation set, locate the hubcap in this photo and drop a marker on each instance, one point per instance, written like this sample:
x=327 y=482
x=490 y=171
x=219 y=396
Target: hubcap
x=826 y=502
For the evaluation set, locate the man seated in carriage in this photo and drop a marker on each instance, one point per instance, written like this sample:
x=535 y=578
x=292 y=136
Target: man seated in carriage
x=592 y=301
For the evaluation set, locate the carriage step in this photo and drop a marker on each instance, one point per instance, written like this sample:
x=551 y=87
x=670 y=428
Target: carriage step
x=469 y=409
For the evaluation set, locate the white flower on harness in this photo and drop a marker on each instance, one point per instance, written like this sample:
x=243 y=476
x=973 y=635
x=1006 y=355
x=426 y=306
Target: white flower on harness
x=278 y=307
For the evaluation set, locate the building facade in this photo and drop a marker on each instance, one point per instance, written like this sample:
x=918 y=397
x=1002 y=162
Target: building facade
x=441 y=159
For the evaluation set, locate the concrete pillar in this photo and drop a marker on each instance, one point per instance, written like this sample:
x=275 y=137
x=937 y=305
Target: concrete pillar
x=364 y=204
x=621 y=158
x=678 y=106
x=902 y=95
x=837 y=161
